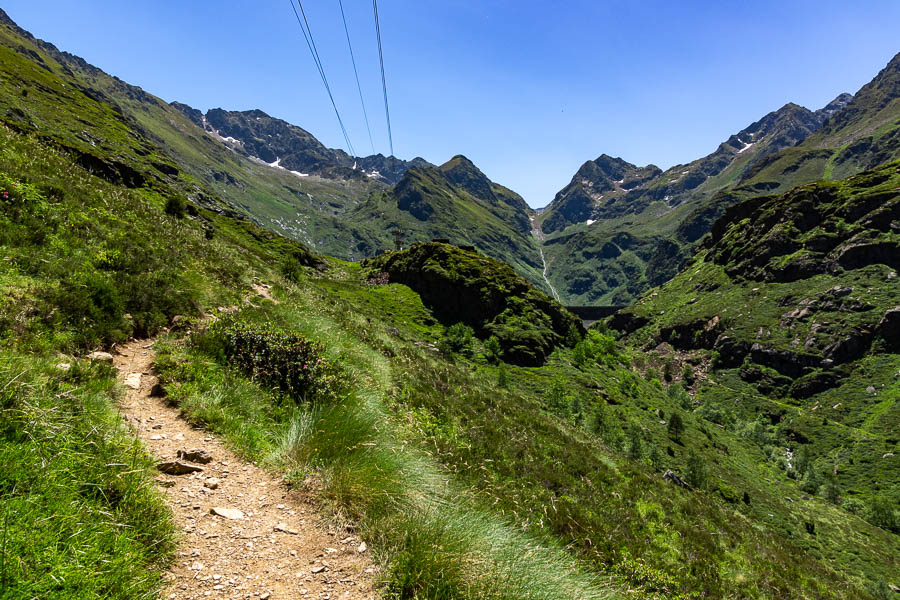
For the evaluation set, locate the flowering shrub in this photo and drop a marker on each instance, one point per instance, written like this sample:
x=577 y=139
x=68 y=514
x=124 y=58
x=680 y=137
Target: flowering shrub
x=287 y=362
x=379 y=279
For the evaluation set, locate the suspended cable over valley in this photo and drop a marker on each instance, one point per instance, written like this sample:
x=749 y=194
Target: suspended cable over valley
x=356 y=73
x=310 y=42
x=387 y=110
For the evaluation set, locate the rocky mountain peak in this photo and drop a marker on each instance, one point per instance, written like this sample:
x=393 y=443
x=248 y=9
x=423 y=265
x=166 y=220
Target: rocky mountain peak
x=835 y=105
x=463 y=173
x=871 y=98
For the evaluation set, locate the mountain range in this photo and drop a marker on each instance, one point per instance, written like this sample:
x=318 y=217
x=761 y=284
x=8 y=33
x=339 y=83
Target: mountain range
x=731 y=433
x=617 y=229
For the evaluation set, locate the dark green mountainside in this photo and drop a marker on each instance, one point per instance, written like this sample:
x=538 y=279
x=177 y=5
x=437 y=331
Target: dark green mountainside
x=463 y=286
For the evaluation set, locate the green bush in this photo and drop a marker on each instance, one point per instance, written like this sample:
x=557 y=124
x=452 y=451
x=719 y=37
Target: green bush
x=458 y=339
x=492 y=350
x=598 y=348
x=175 y=206
x=287 y=362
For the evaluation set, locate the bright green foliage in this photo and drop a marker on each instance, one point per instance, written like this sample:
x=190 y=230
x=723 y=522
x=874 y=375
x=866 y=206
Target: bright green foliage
x=696 y=473
x=635 y=443
x=598 y=348
x=79 y=515
x=881 y=512
x=493 y=352
x=502 y=376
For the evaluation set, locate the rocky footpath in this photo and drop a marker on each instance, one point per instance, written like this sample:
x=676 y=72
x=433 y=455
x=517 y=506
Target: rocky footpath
x=245 y=534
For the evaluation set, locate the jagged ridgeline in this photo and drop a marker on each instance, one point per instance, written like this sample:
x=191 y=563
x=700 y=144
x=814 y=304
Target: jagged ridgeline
x=461 y=285
x=252 y=164
x=618 y=229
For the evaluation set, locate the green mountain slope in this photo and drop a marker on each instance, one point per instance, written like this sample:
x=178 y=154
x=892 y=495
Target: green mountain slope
x=795 y=301
x=277 y=175
x=668 y=214
x=465 y=286
x=455 y=201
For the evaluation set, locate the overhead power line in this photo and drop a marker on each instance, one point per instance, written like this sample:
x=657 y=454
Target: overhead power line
x=387 y=110
x=310 y=42
x=356 y=73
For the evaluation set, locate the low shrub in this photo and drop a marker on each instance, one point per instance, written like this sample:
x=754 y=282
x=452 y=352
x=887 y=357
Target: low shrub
x=287 y=362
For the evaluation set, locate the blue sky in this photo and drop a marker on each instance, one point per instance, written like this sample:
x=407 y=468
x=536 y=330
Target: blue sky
x=528 y=90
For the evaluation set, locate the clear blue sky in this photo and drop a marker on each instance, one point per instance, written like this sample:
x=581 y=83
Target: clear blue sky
x=528 y=90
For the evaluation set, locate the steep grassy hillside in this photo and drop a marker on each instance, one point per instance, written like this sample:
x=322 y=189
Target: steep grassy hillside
x=277 y=175
x=795 y=301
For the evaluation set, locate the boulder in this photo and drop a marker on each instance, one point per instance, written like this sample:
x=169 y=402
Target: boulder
x=196 y=455
x=104 y=357
x=888 y=329
x=176 y=467
x=673 y=477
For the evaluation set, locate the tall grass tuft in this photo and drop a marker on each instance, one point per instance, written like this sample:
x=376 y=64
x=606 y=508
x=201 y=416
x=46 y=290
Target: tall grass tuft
x=81 y=517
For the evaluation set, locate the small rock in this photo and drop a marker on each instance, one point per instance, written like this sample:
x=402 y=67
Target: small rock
x=870 y=389
x=265 y=596
x=64 y=366
x=197 y=566
x=283 y=528
x=316 y=570
x=100 y=357
x=227 y=513
x=157 y=426
x=197 y=455
x=362 y=548
x=133 y=381
x=211 y=483
x=176 y=467
x=156 y=437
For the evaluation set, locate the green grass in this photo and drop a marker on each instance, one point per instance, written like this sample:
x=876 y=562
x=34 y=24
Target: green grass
x=80 y=515
x=434 y=539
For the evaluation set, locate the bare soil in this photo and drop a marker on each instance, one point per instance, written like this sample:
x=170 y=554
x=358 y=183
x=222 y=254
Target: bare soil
x=277 y=546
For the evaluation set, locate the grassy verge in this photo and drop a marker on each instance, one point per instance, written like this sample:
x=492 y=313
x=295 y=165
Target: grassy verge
x=79 y=513
x=433 y=539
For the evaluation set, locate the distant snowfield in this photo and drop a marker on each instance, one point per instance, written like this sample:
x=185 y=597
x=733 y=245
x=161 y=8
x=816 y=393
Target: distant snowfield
x=277 y=165
x=590 y=222
x=746 y=147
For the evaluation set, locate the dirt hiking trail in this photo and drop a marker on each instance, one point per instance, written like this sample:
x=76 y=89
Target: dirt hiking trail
x=244 y=534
